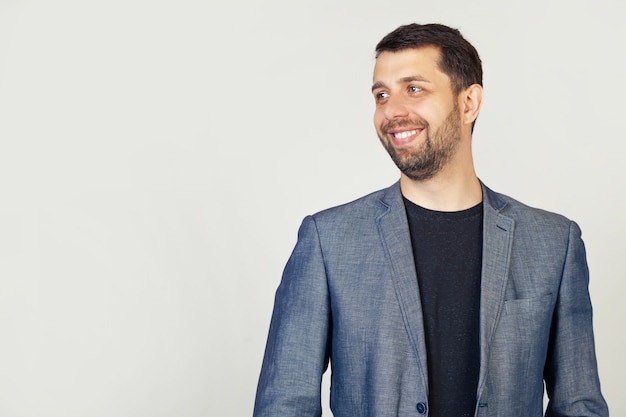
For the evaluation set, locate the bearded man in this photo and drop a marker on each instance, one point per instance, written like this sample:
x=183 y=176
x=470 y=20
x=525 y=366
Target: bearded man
x=436 y=296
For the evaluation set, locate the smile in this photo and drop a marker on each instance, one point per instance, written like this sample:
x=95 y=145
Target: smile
x=404 y=137
x=405 y=134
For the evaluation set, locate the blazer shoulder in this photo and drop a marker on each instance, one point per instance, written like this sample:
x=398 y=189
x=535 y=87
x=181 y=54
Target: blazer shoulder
x=362 y=207
x=528 y=216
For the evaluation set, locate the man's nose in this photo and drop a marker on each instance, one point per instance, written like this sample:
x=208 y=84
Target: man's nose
x=396 y=108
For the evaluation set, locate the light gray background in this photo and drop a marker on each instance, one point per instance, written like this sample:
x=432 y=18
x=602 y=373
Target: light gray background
x=157 y=157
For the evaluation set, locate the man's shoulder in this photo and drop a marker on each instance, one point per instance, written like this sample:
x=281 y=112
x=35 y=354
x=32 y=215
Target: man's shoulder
x=366 y=205
x=523 y=213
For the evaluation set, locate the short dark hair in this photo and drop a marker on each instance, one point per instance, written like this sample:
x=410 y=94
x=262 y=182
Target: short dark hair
x=459 y=59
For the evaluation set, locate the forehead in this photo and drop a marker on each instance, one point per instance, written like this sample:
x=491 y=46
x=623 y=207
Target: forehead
x=422 y=62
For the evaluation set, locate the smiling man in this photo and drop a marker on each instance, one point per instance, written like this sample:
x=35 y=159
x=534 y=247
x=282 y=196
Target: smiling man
x=436 y=296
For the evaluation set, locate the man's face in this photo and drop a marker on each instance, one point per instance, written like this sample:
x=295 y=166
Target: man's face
x=417 y=116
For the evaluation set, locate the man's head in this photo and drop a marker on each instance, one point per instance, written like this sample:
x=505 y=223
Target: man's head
x=459 y=59
x=427 y=88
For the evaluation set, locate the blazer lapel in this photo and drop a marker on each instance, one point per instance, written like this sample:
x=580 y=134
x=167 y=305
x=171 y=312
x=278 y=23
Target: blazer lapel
x=394 y=231
x=497 y=242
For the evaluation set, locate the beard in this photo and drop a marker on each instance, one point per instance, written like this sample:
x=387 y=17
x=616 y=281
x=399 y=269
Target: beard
x=425 y=161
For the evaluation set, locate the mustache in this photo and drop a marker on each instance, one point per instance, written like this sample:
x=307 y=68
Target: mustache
x=395 y=124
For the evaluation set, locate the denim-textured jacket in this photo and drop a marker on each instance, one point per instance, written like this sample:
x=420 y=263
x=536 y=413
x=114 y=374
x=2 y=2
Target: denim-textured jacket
x=349 y=296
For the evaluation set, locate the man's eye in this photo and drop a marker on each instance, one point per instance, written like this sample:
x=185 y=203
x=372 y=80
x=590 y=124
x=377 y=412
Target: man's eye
x=381 y=96
x=415 y=89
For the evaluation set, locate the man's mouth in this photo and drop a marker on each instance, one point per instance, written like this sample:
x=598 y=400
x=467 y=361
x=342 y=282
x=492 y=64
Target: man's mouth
x=403 y=137
x=405 y=134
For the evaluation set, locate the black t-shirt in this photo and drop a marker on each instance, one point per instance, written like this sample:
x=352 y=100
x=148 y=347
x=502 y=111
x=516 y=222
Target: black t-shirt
x=447 y=247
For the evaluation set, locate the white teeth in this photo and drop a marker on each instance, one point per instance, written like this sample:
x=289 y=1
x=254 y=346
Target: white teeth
x=404 y=135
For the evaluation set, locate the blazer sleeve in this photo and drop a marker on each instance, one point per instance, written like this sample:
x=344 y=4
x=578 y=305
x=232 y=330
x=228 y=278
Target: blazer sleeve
x=296 y=354
x=571 y=373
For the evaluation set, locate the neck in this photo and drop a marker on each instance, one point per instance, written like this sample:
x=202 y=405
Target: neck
x=447 y=191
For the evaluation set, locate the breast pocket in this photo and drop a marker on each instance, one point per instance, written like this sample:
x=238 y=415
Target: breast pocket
x=526 y=322
x=521 y=339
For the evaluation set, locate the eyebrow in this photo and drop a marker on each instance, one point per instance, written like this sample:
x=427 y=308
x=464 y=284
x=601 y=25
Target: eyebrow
x=402 y=80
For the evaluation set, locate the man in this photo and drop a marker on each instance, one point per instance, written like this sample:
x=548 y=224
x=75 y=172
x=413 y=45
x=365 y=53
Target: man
x=436 y=296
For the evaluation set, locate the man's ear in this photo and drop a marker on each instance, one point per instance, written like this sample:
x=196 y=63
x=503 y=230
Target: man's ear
x=471 y=100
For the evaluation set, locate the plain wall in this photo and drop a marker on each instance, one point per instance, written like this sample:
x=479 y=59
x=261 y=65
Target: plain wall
x=157 y=157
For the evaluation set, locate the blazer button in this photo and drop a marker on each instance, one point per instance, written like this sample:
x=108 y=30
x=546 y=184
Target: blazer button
x=421 y=407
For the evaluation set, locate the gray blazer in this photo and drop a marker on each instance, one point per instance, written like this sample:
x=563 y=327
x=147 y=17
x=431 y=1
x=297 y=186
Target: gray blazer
x=349 y=294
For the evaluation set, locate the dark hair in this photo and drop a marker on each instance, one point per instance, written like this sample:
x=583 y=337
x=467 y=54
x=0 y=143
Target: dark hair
x=459 y=59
